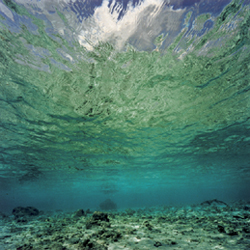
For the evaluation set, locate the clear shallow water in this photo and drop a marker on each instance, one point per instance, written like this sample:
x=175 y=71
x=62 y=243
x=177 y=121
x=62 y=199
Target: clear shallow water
x=145 y=103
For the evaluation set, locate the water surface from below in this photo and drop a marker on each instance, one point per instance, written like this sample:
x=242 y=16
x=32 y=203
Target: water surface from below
x=145 y=103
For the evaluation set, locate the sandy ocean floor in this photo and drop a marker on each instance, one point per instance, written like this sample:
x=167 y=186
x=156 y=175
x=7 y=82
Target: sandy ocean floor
x=210 y=225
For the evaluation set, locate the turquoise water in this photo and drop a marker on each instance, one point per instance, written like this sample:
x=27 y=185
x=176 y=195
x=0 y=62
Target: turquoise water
x=146 y=103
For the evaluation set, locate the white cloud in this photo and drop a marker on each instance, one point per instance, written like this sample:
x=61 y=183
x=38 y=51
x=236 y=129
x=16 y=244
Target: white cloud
x=141 y=23
x=146 y=19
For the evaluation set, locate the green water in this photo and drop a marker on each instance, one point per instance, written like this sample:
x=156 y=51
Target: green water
x=115 y=121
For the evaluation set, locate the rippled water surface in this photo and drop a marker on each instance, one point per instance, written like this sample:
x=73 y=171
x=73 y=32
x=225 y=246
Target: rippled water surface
x=147 y=100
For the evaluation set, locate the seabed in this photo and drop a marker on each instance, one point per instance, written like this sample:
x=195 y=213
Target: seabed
x=210 y=225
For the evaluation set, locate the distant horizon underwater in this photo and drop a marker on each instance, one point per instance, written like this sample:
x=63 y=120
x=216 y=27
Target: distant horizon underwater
x=145 y=103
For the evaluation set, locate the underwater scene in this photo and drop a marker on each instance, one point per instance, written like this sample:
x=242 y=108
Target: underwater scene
x=124 y=124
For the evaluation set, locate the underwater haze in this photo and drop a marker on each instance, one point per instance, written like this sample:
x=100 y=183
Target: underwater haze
x=143 y=102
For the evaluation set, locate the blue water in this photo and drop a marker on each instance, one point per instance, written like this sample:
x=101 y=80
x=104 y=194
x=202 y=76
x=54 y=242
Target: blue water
x=144 y=102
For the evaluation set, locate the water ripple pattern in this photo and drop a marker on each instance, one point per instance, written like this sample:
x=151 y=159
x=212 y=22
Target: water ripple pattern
x=154 y=88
